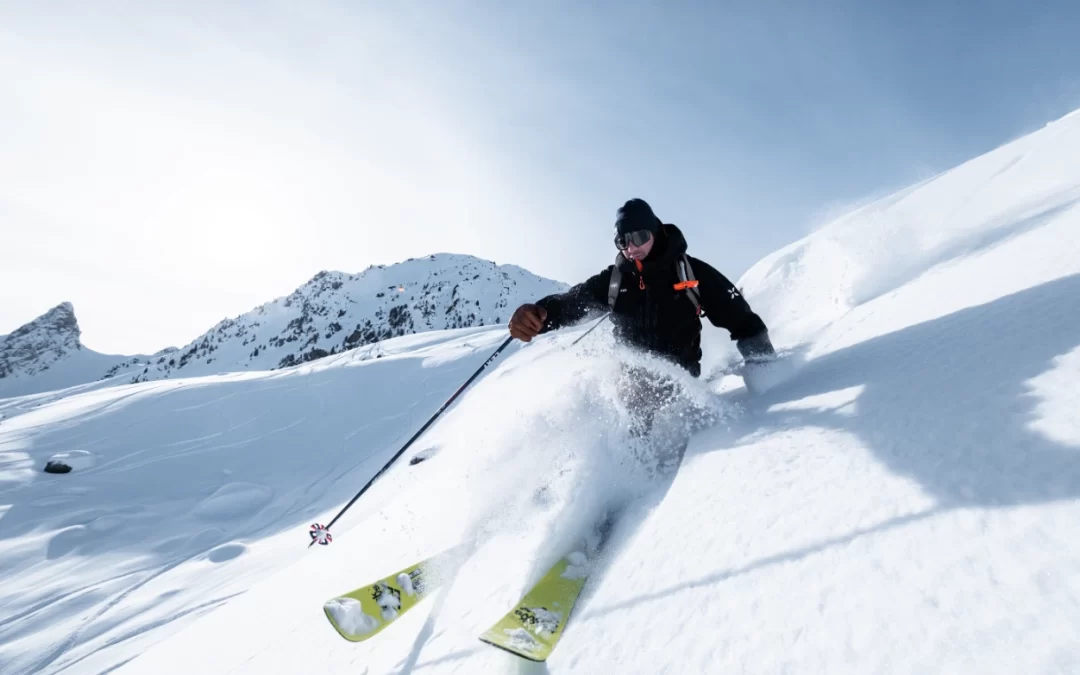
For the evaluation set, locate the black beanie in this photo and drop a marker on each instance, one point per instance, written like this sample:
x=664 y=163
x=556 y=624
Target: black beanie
x=635 y=215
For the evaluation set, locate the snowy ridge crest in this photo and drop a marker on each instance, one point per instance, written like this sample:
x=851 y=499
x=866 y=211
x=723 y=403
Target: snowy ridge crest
x=336 y=311
x=878 y=248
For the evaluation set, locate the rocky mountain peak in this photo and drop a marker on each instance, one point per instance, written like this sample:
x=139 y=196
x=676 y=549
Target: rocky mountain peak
x=35 y=346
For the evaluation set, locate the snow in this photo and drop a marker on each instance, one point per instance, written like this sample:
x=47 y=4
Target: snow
x=901 y=494
x=1028 y=186
x=522 y=639
x=405 y=583
x=577 y=567
x=233 y=500
x=348 y=614
x=1055 y=416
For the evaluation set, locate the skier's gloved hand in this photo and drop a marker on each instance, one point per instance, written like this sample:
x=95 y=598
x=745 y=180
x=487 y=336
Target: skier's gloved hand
x=756 y=348
x=527 y=322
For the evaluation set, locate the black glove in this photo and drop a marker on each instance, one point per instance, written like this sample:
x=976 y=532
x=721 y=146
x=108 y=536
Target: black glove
x=756 y=348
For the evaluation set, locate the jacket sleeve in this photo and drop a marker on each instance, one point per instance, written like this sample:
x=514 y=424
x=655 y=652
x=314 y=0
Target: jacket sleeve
x=726 y=308
x=564 y=309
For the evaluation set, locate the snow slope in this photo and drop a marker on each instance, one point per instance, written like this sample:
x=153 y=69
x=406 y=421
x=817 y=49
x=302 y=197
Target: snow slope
x=1016 y=189
x=194 y=482
x=904 y=498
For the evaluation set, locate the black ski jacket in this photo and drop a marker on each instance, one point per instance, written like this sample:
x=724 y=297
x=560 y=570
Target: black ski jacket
x=650 y=314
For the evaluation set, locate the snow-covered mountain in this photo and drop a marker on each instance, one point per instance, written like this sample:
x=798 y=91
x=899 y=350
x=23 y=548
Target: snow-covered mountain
x=335 y=312
x=903 y=499
x=331 y=313
x=46 y=354
x=36 y=346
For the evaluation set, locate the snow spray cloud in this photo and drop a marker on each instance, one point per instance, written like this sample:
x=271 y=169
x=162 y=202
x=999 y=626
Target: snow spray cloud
x=548 y=441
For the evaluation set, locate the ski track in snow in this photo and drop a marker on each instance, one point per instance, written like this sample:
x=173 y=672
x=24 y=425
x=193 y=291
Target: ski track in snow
x=73 y=639
x=132 y=464
x=901 y=496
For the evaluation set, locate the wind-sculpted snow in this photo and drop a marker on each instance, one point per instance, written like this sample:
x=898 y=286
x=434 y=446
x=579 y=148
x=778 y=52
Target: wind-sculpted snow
x=1018 y=188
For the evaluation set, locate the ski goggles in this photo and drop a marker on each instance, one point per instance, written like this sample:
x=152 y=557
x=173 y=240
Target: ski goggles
x=638 y=238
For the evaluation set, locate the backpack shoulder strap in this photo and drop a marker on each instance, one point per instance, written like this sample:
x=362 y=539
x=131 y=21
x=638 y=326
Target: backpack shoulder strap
x=686 y=274
x=614 y=283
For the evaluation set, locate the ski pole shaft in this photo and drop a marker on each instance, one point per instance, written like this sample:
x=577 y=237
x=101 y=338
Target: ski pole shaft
x=417 y=435
x=602 y=319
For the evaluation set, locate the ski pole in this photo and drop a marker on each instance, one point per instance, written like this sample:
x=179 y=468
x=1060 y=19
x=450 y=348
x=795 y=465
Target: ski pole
x=591 y=329
x=321 y=534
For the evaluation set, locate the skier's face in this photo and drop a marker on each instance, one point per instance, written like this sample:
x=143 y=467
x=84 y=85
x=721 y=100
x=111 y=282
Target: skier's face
x=635 y=252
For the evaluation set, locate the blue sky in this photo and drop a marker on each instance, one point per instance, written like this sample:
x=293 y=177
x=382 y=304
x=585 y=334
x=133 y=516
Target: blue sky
x=166 y=167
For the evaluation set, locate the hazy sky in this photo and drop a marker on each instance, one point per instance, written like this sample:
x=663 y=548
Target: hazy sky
x=164 y=167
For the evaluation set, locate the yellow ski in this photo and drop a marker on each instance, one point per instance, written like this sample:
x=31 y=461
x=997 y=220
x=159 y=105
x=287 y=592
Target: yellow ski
x=364 y=612
x=533 y=628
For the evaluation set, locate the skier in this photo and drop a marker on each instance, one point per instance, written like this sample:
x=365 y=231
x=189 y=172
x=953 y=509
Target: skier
x=656 y=294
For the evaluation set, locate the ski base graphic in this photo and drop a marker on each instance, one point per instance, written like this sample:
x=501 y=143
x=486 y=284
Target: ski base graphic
x=364 y=612
x=533 y=628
